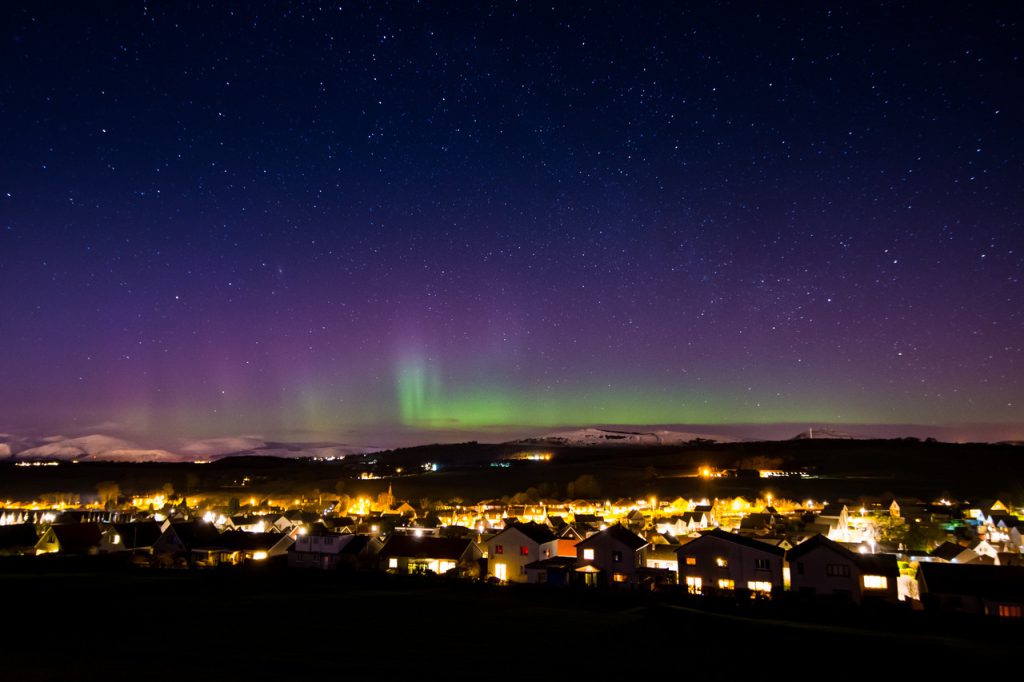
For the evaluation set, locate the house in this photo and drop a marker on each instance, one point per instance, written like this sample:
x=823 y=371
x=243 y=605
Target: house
x=834 y=521
x=517 y=545
x=684 y=524
x=294 y=519
x=249 y=524
x=237 y=546
x=973 y=588
x=720 y=561
x=952 y=553
x=635 y=520
x=575 y=531
x=340 y=524
x=405 y=509
x=319 y=549
x=138 y=536
x=411 y=554
x=614 y=555
x=70 y=538
x=662 y=556
x=985 y=551
x=758 y=522
x=186 y=542
x=820 y=567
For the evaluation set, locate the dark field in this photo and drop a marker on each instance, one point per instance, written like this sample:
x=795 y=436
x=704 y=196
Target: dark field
x=844 y=470
x=273 y=624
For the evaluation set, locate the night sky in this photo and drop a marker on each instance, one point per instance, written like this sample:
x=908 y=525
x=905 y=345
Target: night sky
x=412 y=222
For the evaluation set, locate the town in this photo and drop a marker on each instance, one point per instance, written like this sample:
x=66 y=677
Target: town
x=943 y=555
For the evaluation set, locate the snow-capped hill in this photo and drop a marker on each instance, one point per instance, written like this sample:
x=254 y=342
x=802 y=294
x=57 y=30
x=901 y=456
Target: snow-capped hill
x=824 y=434
x=95 y=447
x=136 y=455
x=592 y=436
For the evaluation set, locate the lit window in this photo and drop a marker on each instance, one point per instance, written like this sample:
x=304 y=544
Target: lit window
x=693 y=584
x=759 y=586
x=619 y=577
x=500 y=571
x=1007 y=611
x=498 y=549
x=691 y=561
x=445 y=566
x=876 y=582
x=722 y=563
x=588 y=555
x=524 y=550
x=393 y=562
x=726 y=584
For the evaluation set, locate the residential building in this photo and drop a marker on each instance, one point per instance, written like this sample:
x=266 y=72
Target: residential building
x=519 y=544
x=719 y=561
x=614 y=555
x=820 y=567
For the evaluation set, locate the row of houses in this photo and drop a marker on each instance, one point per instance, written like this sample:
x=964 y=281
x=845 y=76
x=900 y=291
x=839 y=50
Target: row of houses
x=715 y=562
x=687 y=550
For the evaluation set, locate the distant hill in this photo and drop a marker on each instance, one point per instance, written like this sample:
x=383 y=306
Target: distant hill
x=95 y=447
x=604 y=437
x=825 y=434
x=102 y=448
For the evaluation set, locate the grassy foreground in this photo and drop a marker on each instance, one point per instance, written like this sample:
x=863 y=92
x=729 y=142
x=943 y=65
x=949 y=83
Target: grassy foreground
x=283 y=625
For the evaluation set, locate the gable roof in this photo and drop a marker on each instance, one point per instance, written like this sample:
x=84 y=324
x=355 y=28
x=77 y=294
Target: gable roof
x=239 y=541
x=750 y=543
x=356 y=545
x=138 y=534
x=77 y=537
x=875 y=563
x=425 y=547
x=619 y=533
x=195 y=534
x=18 y=535
x=948 y=551
x=534 y=531
x=980 y=580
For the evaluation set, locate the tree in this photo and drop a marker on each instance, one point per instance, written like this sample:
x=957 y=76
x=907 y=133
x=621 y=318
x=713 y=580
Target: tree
x=760 y=462
x=234 y=505
x=108 y=492
x=587 y=485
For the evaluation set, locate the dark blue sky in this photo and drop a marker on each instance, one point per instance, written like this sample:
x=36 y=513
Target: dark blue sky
x=363 y=221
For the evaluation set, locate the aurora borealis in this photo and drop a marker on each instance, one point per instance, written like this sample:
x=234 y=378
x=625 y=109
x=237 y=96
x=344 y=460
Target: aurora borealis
x=404 y=222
